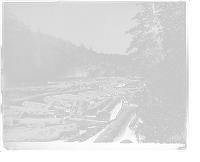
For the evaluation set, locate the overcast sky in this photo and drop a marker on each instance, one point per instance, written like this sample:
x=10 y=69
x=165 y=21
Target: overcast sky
x=100 y=25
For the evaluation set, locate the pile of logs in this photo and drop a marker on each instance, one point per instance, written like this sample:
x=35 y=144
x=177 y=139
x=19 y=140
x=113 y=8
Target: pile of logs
x=72 y=119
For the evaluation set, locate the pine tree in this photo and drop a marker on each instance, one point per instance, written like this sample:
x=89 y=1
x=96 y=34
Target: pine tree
x=149 y=39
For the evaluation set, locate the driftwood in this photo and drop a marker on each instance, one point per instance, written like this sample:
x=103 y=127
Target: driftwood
x=80 y=109
x=44 y=134
x=97 y=108
x=117 y=130
x=44 y=106
x=74 y=108
x=110 y=111
x=91 y=135
x=40 y=97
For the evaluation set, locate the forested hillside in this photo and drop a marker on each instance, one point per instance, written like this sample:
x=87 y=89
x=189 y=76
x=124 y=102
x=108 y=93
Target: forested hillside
x=32 y=56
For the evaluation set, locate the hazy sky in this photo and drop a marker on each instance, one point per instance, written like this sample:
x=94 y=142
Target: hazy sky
x=100 y=25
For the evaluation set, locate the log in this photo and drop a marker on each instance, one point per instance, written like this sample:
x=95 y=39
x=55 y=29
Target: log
x=45 y=134
x=80 y=109
x=74 y=108
x=45 y=106
x=40 y=97
x=110 y=111
x=97 y=108
x=91 y=135
x=22 y=112
x=53 y=100
x=135 y=120
x=32 y=122
x=117 y=130
x=132 y=102
x=87 y=120
x=63 y=115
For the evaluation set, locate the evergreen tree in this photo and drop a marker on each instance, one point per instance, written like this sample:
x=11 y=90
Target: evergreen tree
x=149 y=38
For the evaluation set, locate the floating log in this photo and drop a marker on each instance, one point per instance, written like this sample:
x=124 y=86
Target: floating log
x=110 y=111
x=44 y=134
x=45 y=106
x=117 y=130
x=91 y=135
x=74 y=108
x=40 y=97
x=97 y=108
x=80 y=109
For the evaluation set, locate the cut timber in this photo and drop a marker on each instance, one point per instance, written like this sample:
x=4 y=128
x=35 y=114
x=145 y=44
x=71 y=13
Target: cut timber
x=80 y=109
x=131 y=101
x=91 y=135
x=44 y=106
x=110 y=112
x=117 y=130
x=40 y=97
x=50 y=133
x=74 y=108
x=97 y=108
x=87 y=120
x=31 y=122
x=19 y=111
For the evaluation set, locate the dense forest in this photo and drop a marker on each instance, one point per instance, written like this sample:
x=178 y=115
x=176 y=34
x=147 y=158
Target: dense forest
x=32 y=56
x=160 y=39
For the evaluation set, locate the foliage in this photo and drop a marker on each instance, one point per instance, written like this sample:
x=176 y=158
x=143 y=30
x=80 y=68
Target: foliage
x=148 y=39
x=34 y=56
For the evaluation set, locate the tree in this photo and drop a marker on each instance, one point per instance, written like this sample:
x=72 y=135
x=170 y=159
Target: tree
x=149 y=33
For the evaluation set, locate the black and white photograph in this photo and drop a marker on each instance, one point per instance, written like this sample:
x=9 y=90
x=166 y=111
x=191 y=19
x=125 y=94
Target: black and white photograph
x=98 y=73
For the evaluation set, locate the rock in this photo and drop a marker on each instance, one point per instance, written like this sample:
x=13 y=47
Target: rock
x=126 y=141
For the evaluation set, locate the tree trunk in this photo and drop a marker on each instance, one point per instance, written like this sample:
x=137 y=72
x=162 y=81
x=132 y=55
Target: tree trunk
x=45 y=106
x=110 y=111
x=80 y=109
x=97 y=108
x=74 y=108
x=117 y=130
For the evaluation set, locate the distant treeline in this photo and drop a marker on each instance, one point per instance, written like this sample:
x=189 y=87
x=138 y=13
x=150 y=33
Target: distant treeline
x=32 y=56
